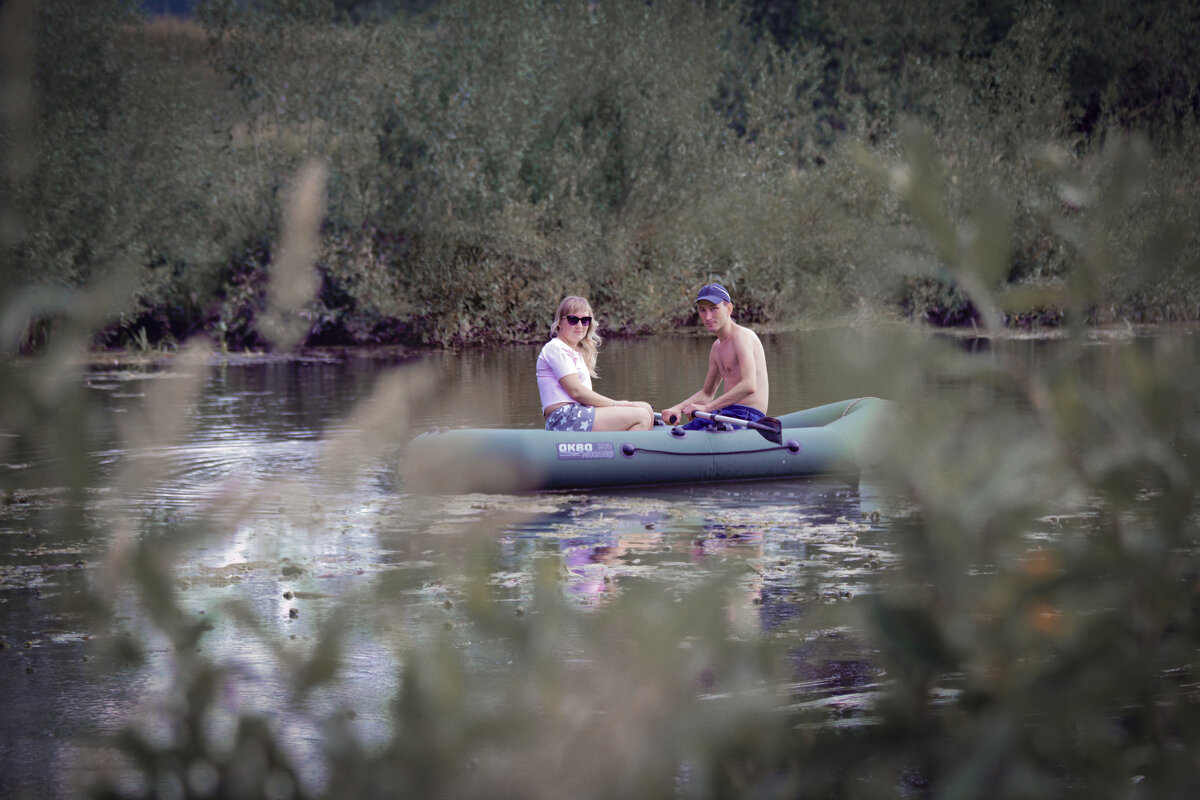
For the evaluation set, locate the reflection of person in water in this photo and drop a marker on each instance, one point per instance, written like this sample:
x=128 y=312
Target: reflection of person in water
x=580 y=560
x=590 y=562
x=720 y=542
x=595 y=565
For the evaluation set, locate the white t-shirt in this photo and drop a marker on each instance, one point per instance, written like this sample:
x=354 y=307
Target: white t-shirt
x=556 y=360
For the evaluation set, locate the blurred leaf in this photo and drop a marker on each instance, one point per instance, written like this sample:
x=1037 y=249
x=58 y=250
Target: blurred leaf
x=912 y=634
x=989 y=241
x=293 y=279
x=325 y=658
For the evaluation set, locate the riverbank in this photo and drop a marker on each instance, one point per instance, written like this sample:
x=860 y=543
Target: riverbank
x=136 y=357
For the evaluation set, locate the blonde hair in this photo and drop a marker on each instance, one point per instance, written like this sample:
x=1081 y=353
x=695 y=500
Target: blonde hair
x=589 y=345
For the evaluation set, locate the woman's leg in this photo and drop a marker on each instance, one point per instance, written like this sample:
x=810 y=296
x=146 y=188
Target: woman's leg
x=623 y=418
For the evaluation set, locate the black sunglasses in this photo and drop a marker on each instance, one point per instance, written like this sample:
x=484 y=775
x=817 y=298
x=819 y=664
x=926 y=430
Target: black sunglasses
x=574 y=320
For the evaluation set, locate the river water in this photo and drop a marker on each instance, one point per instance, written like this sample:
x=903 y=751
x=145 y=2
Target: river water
x=279 y=494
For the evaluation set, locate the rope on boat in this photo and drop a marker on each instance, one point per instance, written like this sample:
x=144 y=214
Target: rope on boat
x=634 y=450
x=855 y=402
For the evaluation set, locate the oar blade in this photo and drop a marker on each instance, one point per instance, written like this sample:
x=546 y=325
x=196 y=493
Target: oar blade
x=770 y=428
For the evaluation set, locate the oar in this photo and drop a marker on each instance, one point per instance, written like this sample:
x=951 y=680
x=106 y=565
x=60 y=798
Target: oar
x=769 y=428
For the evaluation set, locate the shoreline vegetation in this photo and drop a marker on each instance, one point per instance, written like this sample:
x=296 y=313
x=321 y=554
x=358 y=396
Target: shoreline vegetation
x=157 y=356
x=962 y=165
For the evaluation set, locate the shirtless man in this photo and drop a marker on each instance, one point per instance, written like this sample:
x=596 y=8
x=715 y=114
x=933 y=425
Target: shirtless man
x=737 y=358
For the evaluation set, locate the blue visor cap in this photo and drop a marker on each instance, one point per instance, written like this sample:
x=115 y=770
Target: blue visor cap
x=714 y=293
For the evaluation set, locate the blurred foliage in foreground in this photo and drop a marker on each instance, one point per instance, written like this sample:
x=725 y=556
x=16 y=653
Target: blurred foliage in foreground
x=1039 y=636
x=486 y=158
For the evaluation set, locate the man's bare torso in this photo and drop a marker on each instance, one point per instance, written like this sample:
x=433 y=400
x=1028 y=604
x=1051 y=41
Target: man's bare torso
x=726 y=354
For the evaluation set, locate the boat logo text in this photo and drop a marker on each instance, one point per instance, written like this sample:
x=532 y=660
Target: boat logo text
x=571 y=451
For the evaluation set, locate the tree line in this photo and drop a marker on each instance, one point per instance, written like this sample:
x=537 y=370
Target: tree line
x=485 y=159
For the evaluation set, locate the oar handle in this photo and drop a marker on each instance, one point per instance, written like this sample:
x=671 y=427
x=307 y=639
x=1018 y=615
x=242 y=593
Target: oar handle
x=714 y=417
x=721 y=418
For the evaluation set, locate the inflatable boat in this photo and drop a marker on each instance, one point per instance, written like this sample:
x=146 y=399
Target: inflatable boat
x=839 y=439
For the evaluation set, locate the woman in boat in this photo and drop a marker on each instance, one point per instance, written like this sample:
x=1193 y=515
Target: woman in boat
x=565 y=369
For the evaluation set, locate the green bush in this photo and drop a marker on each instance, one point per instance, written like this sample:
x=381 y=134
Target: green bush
x=621 y=150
